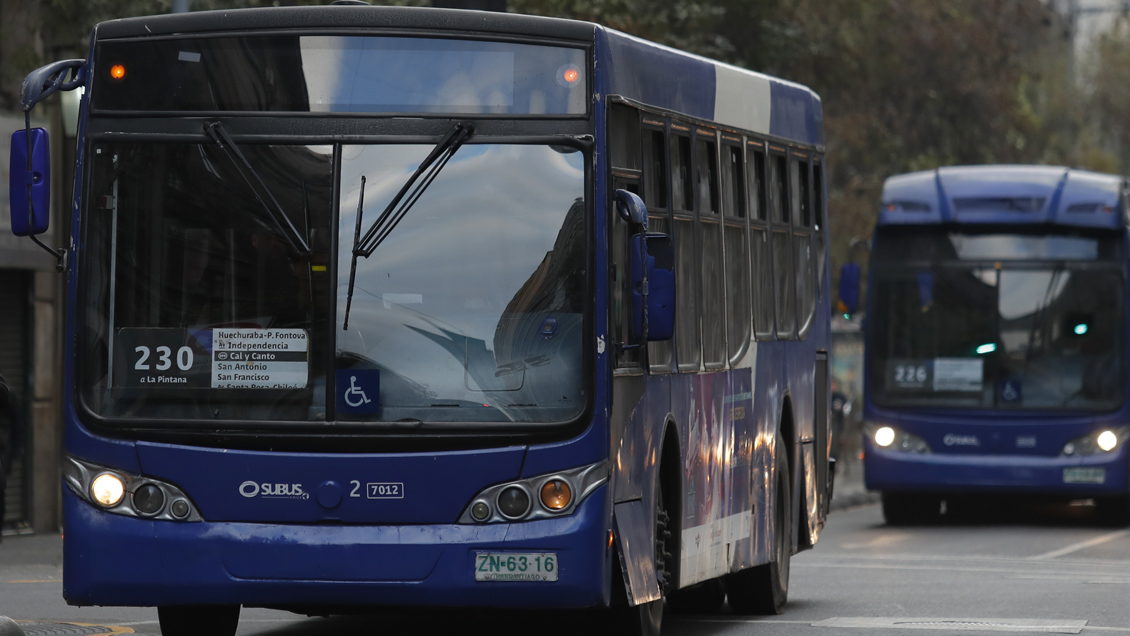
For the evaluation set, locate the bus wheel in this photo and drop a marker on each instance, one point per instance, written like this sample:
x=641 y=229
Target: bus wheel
x=193 y=620
x=907 y=509
x=765 y=588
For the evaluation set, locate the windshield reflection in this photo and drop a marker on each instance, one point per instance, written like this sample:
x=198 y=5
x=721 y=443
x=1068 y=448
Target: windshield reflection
x=1005 y=338
x=472 y=309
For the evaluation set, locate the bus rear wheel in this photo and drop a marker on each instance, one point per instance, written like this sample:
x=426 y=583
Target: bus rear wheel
x=765 y=588
x=193 y=620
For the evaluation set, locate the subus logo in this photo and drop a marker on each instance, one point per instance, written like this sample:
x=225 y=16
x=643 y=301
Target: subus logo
x=961 y=440
x=252 y=489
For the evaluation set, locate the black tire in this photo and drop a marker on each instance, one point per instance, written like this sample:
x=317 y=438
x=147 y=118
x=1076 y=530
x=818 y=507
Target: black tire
x=903 y=509
x=1114 y=511
x=194 y=620
x=646 y=619
x=764 y=589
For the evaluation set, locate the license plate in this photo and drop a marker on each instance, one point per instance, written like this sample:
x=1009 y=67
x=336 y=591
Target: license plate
x=1084 y=475
x=515 y=566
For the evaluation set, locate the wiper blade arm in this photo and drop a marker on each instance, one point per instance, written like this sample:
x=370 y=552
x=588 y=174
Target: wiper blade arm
x=216 y=131
x=429 y=168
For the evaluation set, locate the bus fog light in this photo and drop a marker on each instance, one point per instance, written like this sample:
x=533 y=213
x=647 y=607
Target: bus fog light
x=1107 y=440
x=556 y=494
x=180 y=509
x=107 y=490
x=513 y=502
x=148 y=499
x=885 y=436
x=480 y=511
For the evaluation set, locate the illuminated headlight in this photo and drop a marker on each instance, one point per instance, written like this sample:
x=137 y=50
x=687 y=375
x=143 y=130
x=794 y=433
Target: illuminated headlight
x=107 y=490
x=891 y=438
x=885 y=436
x=127 y=494
x=557 y=493
x=1101 y=441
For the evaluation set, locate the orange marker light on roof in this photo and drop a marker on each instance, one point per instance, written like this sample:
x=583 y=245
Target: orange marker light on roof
x=118 y=71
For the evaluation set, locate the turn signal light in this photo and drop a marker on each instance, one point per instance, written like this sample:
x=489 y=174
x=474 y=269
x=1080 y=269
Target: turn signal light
x=556 y=494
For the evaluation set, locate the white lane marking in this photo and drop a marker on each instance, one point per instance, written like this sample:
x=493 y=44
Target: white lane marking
x=1026 y=625
x=1082 y=545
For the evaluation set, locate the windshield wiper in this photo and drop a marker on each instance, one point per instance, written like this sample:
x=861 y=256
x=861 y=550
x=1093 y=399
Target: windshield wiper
x=216 y=131
x=429 y=169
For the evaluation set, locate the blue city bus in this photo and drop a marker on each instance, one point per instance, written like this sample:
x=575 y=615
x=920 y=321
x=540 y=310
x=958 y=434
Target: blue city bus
x=375 y=306
x=996 y=340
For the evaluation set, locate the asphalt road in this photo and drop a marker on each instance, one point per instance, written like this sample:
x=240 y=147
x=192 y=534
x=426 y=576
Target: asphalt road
x=1028 y=569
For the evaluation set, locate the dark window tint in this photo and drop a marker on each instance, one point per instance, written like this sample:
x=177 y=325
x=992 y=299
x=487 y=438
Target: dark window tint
x=805 y=270
x=778 y=189
x=737 y=289
x=686 y=296
x=761 y=257
x=655 y=169
x=713 y=296
x=707 y=177
x=799 y=193
x=733 y=182
x=682 y=192
x=624 y=137
x=660 y=355
x=783 y=284
x=758 y=201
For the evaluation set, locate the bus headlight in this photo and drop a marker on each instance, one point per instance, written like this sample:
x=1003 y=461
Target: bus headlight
x=558 y=493
x=122 y=493
x=891 y=438
x=1105 y=440
x=107 y=490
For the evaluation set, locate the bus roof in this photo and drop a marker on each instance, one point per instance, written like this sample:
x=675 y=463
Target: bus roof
x=674 y=80
x=1003 y=194
x=630 y=67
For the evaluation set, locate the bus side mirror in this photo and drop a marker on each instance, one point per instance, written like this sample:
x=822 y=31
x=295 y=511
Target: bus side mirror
x=653 y=287
x=30 y=221
x=849 y=290
x=631 y=208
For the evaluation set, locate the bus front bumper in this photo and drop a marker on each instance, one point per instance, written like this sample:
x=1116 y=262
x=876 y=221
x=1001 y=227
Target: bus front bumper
x=116 y=560
x=1077 y=478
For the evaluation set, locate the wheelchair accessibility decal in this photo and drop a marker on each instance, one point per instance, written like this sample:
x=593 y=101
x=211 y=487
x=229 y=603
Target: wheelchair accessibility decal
x=358 y=390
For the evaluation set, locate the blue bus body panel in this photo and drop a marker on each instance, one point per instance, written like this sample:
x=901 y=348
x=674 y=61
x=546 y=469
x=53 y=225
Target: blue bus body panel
x=271 y=487
x=117 y=560
x=672 y=80
x=1021 y=195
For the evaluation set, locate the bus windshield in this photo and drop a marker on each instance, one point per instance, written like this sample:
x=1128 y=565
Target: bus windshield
x=997 y=321
x=199 y=306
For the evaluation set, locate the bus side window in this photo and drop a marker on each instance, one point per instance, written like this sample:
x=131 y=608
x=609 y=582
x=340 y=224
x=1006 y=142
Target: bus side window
x=761 y=254
x=820 y=225
x=736 y=244
x=783 y=283
x=660 y=355
x=713 y=285
x=687 y=352
x=624 y=155
x=803 y=254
